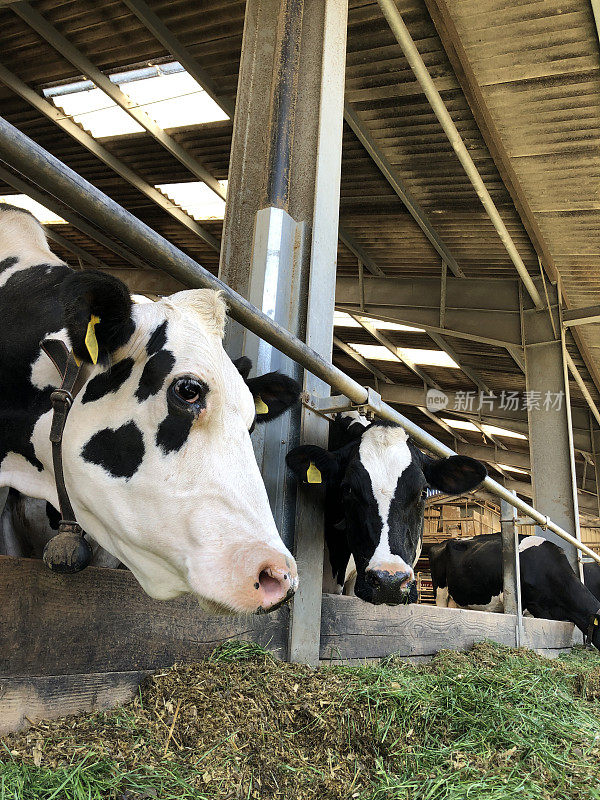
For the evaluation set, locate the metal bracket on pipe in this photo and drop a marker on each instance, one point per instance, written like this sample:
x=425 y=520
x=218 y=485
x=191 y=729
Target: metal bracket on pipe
x=338 y=403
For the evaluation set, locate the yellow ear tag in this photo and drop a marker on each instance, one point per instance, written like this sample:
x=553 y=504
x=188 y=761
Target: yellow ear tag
x=90 y=338
x=313 y=474
x=261 y=406
x=596 y=621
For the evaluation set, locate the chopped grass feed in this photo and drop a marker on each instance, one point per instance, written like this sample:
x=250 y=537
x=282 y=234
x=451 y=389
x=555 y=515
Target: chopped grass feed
x=491 y=724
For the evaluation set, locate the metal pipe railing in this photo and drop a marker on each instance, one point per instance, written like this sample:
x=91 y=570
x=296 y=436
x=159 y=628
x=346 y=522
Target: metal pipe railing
x=425 y=80
x=58 y=180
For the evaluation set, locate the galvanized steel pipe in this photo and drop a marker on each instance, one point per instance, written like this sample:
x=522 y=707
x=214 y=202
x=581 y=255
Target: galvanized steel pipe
x=58 y=180
x=425 y=80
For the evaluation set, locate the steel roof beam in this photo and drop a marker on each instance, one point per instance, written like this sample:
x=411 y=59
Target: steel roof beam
x=361 y=360
x=471 y=373
x=49 y=201
x=72 y=129
x=181 y=53
x=48 y=32
x=581 y=316
x=394 y=180
x=73 y=248
x=404 y=39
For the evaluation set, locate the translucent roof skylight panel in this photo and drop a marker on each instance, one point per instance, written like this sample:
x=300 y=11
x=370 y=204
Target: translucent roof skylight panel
x=432 y=358
x=43 y=214
x=174 y=100
x=343 y=320
x=196 y=198
x=513 y=469
x=494 y=430
x=97 y=113
x=375 y=352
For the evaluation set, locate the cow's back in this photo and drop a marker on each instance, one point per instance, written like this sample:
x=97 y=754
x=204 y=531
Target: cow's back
x=470 y=569
x=30 y=280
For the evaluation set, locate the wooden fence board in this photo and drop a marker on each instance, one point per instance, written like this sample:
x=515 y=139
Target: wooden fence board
x=31 y=699
x=100 y=620
x=353 y=629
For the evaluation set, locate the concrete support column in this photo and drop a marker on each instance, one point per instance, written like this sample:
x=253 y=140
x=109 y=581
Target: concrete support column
x=550 y=428
x=280 y=241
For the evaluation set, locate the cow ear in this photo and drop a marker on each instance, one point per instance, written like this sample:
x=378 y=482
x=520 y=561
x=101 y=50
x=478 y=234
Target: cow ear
x=454 y=475
x=313 y=464
x=273 y=394
x=97 y=314
x=243 y=366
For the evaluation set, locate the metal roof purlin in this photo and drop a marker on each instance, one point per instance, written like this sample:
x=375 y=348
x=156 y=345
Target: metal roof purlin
x=48 y=32
x=404 y=39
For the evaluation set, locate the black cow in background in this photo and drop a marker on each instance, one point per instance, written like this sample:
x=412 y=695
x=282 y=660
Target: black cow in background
x=591 y=578
x=467 y=573
x=375 y=480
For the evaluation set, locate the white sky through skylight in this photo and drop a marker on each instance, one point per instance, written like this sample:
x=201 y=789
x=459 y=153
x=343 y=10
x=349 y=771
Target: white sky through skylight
x=44 y=215
x=434 y=358
x=172 y=99
x=196 y=198
x=493 y=430
x=343 y=320
x=513 y=469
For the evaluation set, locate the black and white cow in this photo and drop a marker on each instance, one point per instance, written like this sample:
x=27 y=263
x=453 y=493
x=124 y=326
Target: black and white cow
x=467 y=573
x=375 y=479
x=157 y=455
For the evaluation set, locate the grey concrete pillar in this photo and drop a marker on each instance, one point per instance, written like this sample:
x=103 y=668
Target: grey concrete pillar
x=280 y=245
x=549 y=416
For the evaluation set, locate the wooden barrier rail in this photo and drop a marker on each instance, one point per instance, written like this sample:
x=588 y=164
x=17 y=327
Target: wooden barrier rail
x=81 y=642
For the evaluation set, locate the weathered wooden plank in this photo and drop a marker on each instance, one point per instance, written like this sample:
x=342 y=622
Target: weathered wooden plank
x=353 y=629
x=31 y=699
x=100 y=620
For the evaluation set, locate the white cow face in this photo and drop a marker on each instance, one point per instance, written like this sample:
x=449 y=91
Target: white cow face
x=157 y=455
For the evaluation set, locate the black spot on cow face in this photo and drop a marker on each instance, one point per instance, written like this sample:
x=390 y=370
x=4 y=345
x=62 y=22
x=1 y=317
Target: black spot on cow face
x=153 y=376
x=109 y=381
x=173 y=432
x=7 y=263
x=120 y=452
x=158 y=339
x=186 y=400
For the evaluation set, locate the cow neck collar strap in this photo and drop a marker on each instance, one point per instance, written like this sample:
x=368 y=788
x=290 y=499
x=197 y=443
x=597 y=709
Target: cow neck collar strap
x=68 y=551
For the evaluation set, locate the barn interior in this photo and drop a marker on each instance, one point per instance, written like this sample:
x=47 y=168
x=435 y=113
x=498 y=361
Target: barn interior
x=490 y=343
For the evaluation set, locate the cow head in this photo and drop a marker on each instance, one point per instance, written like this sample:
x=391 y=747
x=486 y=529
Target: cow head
x=157 y=455
x=377 y=484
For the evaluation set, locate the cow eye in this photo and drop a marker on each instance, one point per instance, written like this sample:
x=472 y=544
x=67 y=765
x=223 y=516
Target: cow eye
x=188 y=389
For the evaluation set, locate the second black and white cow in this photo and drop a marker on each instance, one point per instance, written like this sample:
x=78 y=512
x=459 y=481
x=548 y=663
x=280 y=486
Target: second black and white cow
x=157 y=456
x=467 y=573
x=375 y=479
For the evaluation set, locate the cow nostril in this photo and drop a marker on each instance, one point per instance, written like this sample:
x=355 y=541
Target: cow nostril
x=270 y=582
x=275 y=586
